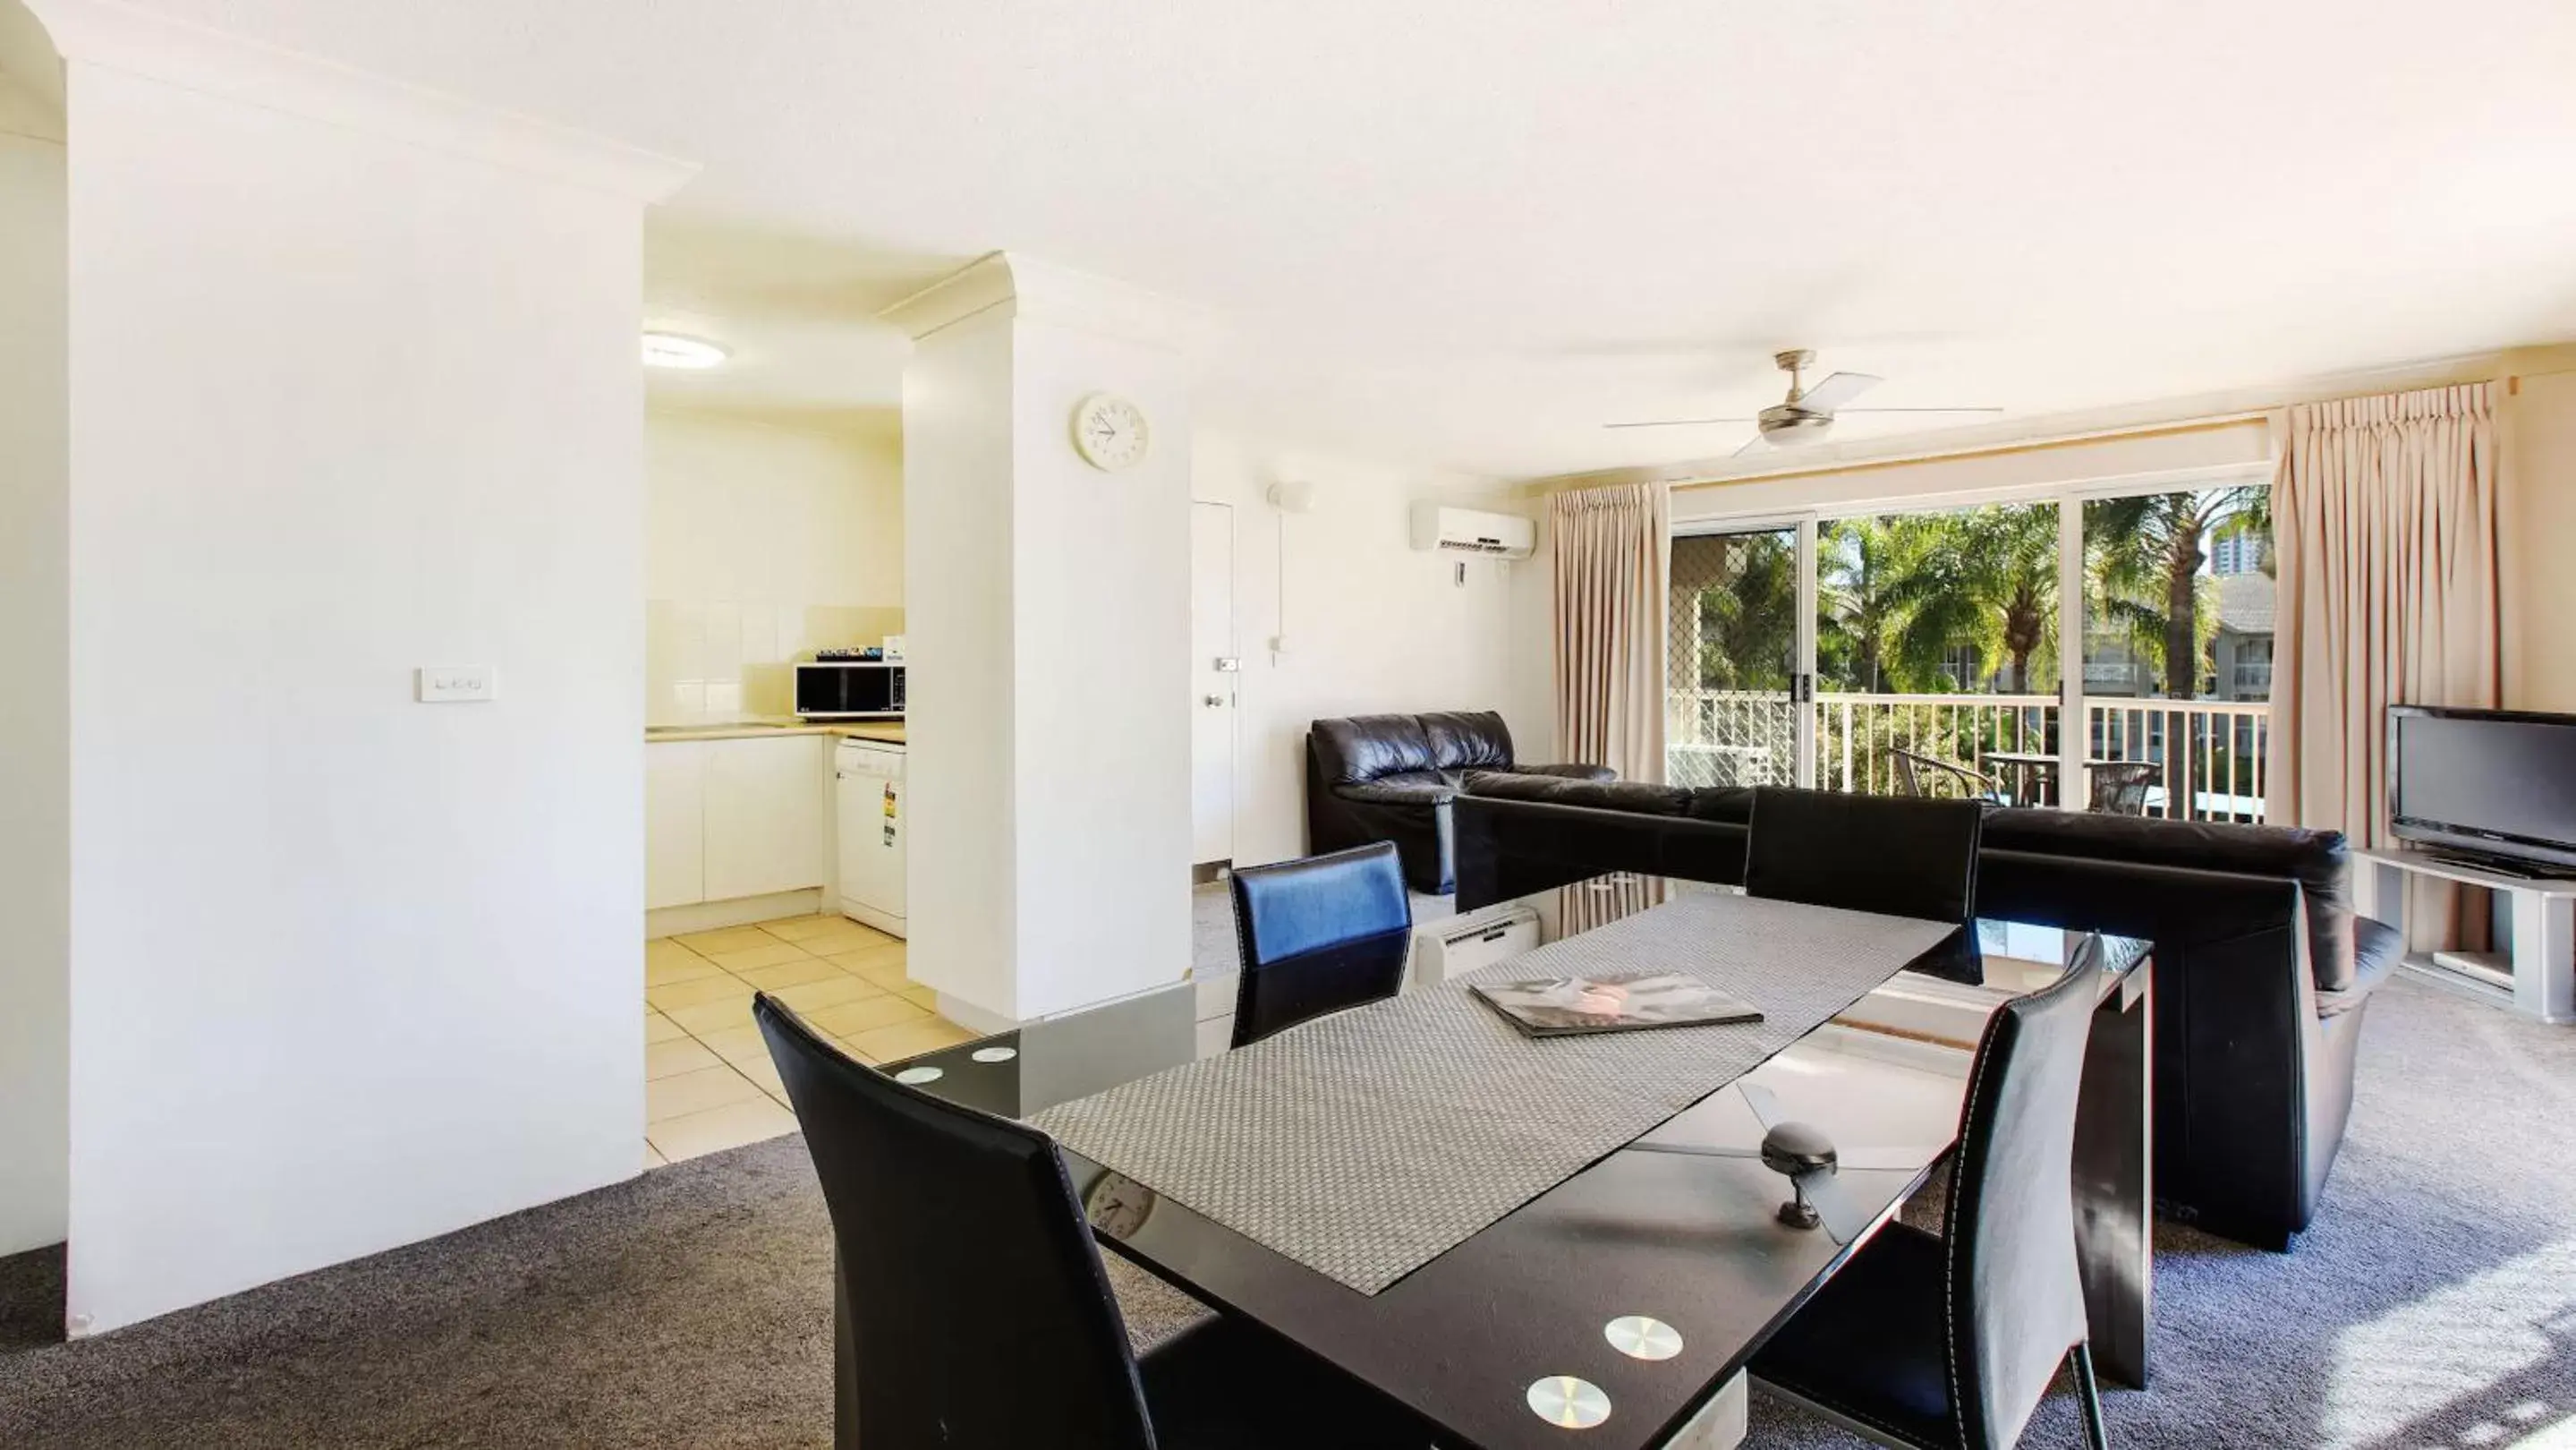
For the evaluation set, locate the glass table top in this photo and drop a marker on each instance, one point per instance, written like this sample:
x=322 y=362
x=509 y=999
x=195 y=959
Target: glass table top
x=1677 y=1236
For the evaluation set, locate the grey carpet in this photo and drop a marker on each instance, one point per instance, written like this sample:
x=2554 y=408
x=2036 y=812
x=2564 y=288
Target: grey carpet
x=2433 y=1305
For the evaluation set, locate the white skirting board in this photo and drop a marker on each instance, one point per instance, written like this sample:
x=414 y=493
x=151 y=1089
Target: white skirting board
x=741 y=911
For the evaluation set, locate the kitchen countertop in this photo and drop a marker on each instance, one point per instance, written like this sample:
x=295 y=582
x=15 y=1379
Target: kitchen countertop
x=761 y=727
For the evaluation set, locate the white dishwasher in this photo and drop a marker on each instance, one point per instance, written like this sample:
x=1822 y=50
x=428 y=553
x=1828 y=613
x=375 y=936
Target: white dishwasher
x=868 y=794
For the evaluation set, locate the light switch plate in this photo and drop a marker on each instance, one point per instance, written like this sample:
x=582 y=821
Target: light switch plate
x=454 y=684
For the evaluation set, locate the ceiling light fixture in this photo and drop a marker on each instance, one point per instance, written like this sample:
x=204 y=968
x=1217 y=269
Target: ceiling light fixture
x=672 y=350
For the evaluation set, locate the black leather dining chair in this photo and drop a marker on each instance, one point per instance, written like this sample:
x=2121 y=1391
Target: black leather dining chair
x=1318 y=935
x=1895 y=855
x=977 y=1315
x=1949 y=1343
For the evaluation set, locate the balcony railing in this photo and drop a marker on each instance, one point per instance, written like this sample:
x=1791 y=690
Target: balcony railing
x=2214 y=769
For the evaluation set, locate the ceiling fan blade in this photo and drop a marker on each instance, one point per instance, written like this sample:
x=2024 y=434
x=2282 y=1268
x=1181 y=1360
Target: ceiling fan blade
x=1755 y=444
x=1764 y=1103
x=1675 y=422
x=1843 y=1215
x=1835 y=391
x=1919 y=410
x=1691 y=1150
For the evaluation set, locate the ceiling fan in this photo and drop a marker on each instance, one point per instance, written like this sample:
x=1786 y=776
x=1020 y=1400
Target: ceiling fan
x=1808 y=413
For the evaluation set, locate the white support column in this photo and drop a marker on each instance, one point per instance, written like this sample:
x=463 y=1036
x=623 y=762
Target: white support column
x=1047 y=624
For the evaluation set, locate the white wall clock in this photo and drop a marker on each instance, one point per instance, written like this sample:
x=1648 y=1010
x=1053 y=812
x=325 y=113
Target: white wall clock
x=1109 y=432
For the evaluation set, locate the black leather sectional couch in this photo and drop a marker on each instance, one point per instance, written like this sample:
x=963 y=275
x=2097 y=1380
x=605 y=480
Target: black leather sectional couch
x=2262 y=970
x=1392 y=777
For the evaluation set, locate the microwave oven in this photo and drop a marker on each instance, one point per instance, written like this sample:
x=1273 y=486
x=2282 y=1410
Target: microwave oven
x=850 y=690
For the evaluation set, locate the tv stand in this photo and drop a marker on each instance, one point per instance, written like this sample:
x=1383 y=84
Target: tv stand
x=2542 y=914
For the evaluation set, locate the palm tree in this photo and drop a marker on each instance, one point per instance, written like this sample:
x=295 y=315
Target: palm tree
x=1986 y=579
x=1872 y=583
x=1748 y=629
x=2148 y=552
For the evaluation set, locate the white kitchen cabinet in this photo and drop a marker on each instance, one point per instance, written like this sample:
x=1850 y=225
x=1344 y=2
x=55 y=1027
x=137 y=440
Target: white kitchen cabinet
x=764 y=815
x=675 y=833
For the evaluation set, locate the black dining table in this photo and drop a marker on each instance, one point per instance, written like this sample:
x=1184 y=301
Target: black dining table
x=1628 y=1298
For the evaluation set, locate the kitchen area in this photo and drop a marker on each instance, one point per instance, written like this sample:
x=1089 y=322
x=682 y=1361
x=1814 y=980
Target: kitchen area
x=775 y=809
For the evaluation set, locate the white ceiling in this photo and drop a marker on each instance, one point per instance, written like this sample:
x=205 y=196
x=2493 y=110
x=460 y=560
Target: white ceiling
x=1467 y=232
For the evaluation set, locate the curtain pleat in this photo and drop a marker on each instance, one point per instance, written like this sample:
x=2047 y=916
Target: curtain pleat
x=2384 y=528
x=1612 y=550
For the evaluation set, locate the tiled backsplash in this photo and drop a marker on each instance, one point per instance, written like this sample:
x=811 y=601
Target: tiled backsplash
x=725 y=660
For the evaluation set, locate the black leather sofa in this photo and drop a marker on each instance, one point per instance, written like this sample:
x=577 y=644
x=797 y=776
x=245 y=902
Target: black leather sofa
x=1391 y=778
x=2262 y=970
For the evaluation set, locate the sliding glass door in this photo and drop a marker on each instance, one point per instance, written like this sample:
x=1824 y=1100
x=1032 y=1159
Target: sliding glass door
x=2089 y=649
x=1936 y=651
x=1739 y=629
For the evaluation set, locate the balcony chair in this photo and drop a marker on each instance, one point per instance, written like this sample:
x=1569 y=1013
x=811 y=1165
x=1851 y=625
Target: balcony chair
x=2119 y=787
x=1931 y=778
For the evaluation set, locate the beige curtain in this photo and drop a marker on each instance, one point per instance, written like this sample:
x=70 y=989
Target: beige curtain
x=1612 y=549
x=2384 y=523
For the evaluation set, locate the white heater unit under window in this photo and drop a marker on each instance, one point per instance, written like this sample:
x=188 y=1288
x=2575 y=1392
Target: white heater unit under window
x=1446 y=949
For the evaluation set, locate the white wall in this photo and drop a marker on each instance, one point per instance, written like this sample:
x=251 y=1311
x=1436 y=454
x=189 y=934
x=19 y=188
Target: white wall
x=35 y=885
x=348 y=971
x=1373 y=625
x=1101 y=678
x=2243 y=444
x=960 y=878
x=764 y=541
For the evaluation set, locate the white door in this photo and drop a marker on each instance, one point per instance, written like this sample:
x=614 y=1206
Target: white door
x=1214 y=681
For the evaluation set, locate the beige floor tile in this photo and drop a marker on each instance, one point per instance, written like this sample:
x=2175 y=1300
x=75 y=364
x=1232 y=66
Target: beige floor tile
x=797 y=928
x=752 y=1120
x=791 y=974
x=903 y=1039
x=695 y=1092
x=665 y=949
x=921 y=997
x=658 y=1028
x=732 y=939
x=689 y=994
x=874 y=968
x=832 y=991
x=849 y=936
x=738 y=1045
x=669 y=1059
x=768 y=955
x=854 y=1017
x=766 y=1075
x=853 y=1049
x=715 y=1016
x=692 y=968
x=653 y=1156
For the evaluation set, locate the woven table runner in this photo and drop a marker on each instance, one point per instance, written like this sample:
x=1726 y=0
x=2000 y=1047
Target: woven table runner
x=1368 y=1143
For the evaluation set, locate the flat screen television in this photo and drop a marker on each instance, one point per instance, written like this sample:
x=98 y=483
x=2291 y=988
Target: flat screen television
x=2492 y=785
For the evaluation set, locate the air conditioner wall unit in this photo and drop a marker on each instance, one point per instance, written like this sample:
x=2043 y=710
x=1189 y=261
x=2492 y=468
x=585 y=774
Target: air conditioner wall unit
x=1439 y=528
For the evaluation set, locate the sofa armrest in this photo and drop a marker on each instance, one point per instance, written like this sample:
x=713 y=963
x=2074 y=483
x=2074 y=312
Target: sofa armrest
x=1378 y=793
x=1569 y=772
x=2376 y=946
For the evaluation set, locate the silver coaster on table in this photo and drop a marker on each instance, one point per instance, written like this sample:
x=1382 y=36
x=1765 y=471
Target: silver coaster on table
x=916 y=1076
x=1640 y=1337
x=1567 y=1402
x=994 y=1054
